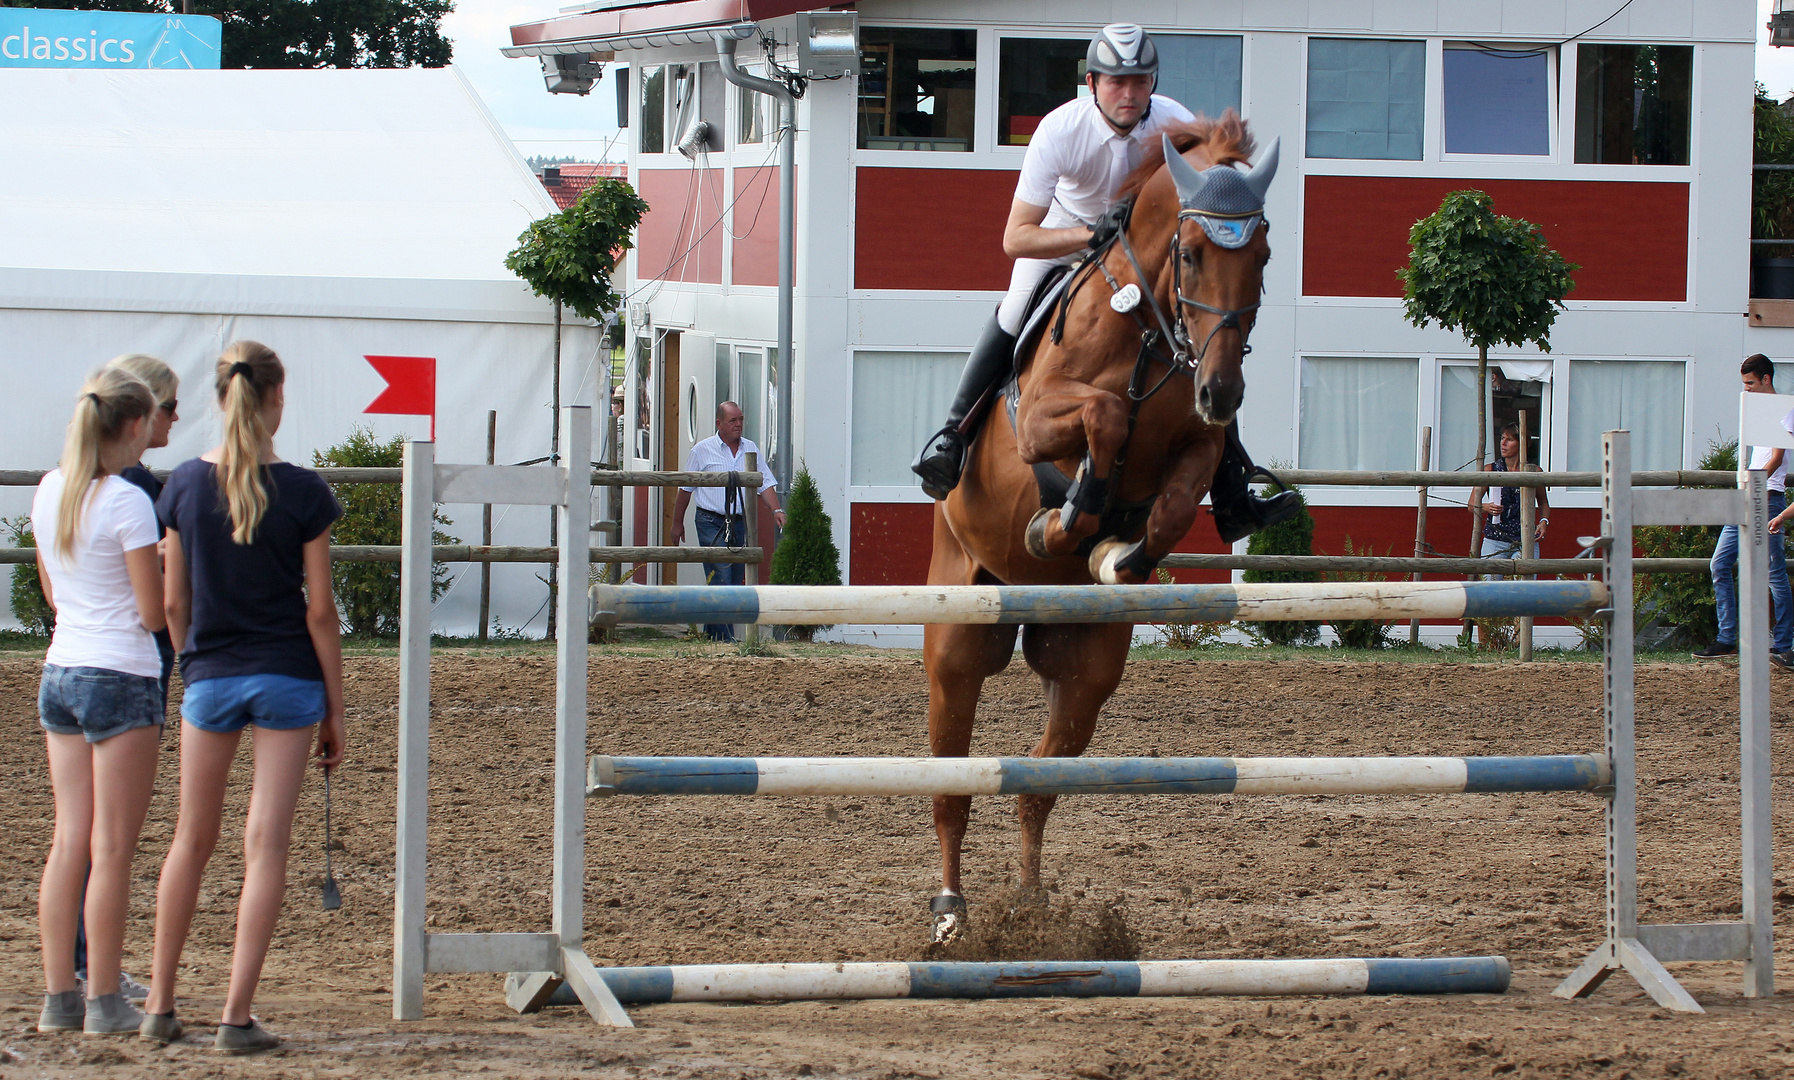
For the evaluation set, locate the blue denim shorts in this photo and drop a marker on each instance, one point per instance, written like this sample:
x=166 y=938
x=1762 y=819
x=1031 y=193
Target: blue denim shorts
x=96 y=702
x=278 y=702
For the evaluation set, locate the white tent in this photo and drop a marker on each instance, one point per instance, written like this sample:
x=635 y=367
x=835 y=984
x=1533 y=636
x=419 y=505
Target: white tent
x=329 y=214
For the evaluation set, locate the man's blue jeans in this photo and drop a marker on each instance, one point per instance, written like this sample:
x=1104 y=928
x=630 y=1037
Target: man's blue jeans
x=715 y=530
x=1725 y=583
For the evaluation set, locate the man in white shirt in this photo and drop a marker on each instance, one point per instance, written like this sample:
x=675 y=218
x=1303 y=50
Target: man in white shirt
x=1758 y=373
x=1064 y=205
x=722 y=521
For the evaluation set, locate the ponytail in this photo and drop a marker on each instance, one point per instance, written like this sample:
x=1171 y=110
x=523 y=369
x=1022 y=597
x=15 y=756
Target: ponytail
x=246 y=374
x=110 y=399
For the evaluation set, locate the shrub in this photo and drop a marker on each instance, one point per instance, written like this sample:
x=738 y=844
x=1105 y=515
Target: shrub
x=367 y=594
x=1359 y=633
x=1188 y=635
x=1292 y=536
x=28 y=603
x=1684 y=601
x=806 y=554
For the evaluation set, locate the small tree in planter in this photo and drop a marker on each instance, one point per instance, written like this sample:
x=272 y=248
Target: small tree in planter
x=569 y=257
x=1292 y=536
x=1492 y=279
x=28 y=603
x=806 y=554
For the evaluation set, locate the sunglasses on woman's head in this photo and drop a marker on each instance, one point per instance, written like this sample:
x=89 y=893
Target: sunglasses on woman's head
x=170 y=406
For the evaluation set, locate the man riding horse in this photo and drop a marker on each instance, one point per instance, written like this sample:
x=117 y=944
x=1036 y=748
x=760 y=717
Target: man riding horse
x=1065 y=203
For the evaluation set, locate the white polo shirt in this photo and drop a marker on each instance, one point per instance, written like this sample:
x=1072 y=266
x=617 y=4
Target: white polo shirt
x=1076 y=162
x=1759 y=458
x=712 y=455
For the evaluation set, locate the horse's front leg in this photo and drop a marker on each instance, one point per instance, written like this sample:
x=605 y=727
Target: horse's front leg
x=1120 y=562
x=1056 y=419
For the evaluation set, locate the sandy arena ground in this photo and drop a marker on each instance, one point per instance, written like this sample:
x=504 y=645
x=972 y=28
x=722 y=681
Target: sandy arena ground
x=713 y=880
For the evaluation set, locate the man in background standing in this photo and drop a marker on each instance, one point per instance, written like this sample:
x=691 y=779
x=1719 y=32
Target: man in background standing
x=722 y=521
x=1758 y=374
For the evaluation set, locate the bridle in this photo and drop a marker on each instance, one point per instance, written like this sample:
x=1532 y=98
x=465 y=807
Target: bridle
x=1230 y=317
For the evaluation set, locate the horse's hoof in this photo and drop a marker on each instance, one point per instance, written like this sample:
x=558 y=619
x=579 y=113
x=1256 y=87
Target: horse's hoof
x=1035 y=538
x=950 y=922
x=1103 y=560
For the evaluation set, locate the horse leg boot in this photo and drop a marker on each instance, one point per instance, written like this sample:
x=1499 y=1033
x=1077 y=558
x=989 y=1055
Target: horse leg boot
x=942 y=459
x=1239 y=513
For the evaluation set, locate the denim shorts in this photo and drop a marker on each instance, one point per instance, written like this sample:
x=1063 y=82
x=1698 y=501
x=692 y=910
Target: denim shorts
x=97 y=702
x=230 y=704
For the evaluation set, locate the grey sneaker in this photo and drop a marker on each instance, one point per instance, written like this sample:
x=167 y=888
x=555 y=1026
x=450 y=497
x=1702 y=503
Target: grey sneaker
x=160 y=1028
x=111 y=1014
x=131 y=988
x=250 y=1040
x=62 y=1012
x=1783 y=660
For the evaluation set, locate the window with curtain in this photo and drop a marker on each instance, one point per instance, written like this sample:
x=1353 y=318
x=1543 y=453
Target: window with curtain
x=1633 y=105
x=1366 y=99
x=898 y=401
x=1645 y=397
x=1358 y=413
x=1497 y=101
x=723 y=384
x=753 y=415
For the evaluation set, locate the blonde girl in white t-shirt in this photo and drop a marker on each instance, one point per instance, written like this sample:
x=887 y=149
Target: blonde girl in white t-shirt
x=99 y=701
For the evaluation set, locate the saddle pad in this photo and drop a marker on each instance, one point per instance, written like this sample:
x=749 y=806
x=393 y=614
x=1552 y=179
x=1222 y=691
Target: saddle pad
x=1041 y=304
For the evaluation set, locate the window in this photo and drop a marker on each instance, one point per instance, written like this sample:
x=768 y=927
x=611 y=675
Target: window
x=752 y=414
x=1034 y=77
x=724 y=383
x=644 y=399
x=1358 y=413
x=1497 y=101
x=1201 y=73
x=898 y=400
x=1366 y=99
x=676 y=96
x=756 y=114
x=1633 y=104
x=1037 y=75
x=1513 y=387
x=1644 y=397
x=916 y=88
x=654 y=109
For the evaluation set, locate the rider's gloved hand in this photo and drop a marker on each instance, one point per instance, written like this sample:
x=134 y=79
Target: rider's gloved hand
x=1112 y=222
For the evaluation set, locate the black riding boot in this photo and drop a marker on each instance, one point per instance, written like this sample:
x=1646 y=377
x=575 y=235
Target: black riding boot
x=1238 y=512
x=945 y=455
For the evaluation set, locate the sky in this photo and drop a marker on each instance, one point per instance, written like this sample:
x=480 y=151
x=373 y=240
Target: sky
x=586 y=127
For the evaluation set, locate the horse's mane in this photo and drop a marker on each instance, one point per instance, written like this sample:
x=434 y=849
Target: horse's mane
x=1227 y=138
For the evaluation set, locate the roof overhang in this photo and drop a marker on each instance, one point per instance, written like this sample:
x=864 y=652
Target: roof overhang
x=607 y=27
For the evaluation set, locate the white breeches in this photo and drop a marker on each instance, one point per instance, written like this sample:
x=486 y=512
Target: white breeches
x=1022 y=279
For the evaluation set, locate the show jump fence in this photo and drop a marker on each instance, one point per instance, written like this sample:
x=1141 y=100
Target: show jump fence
x=541 y=962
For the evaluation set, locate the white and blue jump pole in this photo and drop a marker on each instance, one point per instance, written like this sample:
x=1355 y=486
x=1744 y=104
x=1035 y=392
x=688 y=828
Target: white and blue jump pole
x=1095 y=978
x=1093 y=776
x=815 y=605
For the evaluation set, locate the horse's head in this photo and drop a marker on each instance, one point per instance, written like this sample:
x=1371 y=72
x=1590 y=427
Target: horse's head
x=1218 y=254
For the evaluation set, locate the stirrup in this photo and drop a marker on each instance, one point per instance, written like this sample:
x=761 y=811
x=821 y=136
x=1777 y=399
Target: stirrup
x=941 y=462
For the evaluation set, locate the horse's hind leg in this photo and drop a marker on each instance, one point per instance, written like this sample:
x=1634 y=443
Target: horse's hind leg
x=1080 y=666
x=958 y=659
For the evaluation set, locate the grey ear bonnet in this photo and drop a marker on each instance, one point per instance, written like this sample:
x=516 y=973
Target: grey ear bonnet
x=1229 y=203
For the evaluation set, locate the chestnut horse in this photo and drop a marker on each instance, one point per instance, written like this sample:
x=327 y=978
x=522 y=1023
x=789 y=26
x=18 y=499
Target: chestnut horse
x=1136 y=402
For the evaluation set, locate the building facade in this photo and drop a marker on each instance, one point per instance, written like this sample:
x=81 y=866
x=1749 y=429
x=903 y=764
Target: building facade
x=1622 y=130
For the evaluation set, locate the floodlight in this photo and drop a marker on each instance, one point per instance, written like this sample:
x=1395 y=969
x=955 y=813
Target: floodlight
x=570 y=73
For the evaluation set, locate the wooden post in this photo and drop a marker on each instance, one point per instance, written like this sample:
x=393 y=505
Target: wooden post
x=486 y=527
x=750 y=506
x=1529 y=512
x=1426 y=462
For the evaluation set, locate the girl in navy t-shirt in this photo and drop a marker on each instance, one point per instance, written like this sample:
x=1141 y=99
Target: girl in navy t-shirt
x=251 y=610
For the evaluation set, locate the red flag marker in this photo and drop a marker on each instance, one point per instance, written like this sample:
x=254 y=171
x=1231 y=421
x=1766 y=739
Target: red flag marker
x=410 y=387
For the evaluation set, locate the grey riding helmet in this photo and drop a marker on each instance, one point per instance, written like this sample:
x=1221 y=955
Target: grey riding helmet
x=1122 y=49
